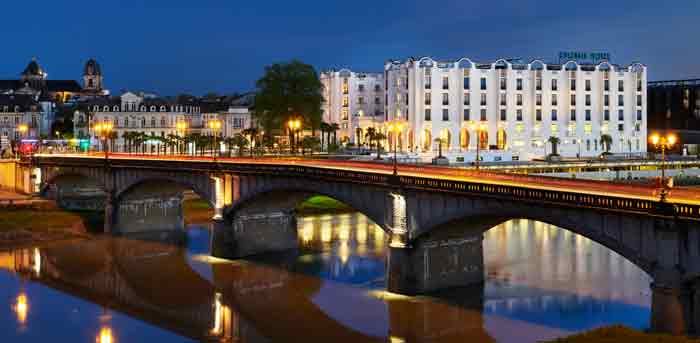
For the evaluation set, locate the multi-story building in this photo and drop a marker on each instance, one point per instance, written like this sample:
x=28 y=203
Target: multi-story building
x=674 y=106
x=516 y=107
x=354 y=101
x=18 y=112
x=133 y=113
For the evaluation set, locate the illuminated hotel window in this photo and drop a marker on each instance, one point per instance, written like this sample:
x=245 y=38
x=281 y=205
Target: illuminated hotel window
x=554 y=129
x=519 y=128
x=587 y=128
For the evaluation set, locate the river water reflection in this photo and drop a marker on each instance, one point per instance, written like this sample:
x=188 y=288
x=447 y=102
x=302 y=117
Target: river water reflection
x=542 y=282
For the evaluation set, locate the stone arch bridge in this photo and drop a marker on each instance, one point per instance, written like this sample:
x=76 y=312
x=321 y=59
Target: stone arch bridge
x=254 y=204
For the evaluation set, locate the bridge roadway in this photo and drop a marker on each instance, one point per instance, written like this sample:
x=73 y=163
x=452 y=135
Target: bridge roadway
x=592 y=187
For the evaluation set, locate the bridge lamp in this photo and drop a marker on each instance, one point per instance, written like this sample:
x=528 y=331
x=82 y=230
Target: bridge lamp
x=663 y=142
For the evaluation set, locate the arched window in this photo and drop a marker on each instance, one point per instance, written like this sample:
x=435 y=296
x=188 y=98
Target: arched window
x=106 y=108
x=95 y=108
x=143 y=108
x=162 y=108
x=483 y=139
x=501 y=141
x=464 y=139
x=411 y=143
x=115 y=109
x=427 y=139
x=153 y=108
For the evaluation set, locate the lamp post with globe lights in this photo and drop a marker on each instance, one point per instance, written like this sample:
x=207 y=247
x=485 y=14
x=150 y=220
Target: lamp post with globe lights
x=663 y=142
x=395 y=129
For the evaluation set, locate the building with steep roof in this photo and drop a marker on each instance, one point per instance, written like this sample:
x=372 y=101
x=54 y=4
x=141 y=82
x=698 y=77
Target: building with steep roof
x=511 y=109
x=18 y=110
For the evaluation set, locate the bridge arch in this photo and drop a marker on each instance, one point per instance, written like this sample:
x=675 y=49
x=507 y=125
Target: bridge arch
x=203 y=187
x=621 y=234
x=51 y=177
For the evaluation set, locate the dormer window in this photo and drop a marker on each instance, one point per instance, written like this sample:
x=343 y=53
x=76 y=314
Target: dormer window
x=153 y=108
x=143 y=108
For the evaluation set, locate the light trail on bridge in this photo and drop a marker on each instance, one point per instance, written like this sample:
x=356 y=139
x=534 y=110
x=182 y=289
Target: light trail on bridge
x=593 y=187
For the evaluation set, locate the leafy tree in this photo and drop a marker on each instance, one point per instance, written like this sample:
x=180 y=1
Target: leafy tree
x=378 y=138
x=286 y=91
x=252 y=133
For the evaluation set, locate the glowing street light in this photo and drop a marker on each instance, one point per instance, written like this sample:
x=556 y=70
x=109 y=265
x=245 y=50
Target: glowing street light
x=181 y=128
x=215 y=126
x=294 y=127
x=664 y=142
x=105 y=335
x=103 y=130
x=478 y=129
x=395 y=128
x=23 y=129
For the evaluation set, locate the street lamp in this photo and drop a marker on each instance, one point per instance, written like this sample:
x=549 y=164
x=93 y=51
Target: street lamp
x=104 y=130
x=664 y=142
x=181 y=128
x=395 y=128
x=23 y=129
x=215 y=126
x=294 y=126
x=478 y=130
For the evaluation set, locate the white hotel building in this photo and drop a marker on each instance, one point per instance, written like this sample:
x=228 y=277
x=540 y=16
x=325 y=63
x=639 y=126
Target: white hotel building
x=518 y=105
x=353 y=101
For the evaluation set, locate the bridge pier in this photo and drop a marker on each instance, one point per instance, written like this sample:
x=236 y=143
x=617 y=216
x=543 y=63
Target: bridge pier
x=435 y=264
x=253 y=234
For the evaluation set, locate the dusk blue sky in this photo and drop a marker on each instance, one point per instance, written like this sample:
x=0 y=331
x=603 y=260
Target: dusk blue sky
x=172 y=46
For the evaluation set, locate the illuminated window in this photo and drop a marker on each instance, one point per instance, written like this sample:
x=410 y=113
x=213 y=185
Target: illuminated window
x=519 y=128
x=554 y=129
x=587 y=128
x=344 y=114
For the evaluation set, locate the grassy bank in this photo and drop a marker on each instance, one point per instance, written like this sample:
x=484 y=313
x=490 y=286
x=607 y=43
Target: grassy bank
x=321 y=204
x=621 y=334
x=45 y=216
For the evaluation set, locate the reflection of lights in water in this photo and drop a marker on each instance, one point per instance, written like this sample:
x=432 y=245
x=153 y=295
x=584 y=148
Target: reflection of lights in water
x=378 y=237
x=384 y=295
x=37 y=262
x=394 y=339
x=344 y=252
x=217 y=315
x=212 y=260
x=105 y=335
x=362 y=234
x=344 y=233
x=326 y=233
x=21 y=308
x=307 y=232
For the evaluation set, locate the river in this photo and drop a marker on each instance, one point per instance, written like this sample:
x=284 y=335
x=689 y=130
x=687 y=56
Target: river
x=542 y=282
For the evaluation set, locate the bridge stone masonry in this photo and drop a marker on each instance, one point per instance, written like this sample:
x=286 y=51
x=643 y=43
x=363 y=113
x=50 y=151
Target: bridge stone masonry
x=435 y=223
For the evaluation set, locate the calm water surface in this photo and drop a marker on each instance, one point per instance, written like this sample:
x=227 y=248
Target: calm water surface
x=542 y=282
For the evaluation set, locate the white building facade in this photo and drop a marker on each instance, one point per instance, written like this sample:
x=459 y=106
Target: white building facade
x=132 y=113
x=516 y=108
x=354 y=101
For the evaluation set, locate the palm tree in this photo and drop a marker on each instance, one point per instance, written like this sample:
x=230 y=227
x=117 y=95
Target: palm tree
x=309 y=142
x=325 y=131
x=240 y=141
x=251 y=132
x=378 y=137
x=606 y=140
x=334 y=128
x=369 y=136
x=554 y=141
x=440 y=141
